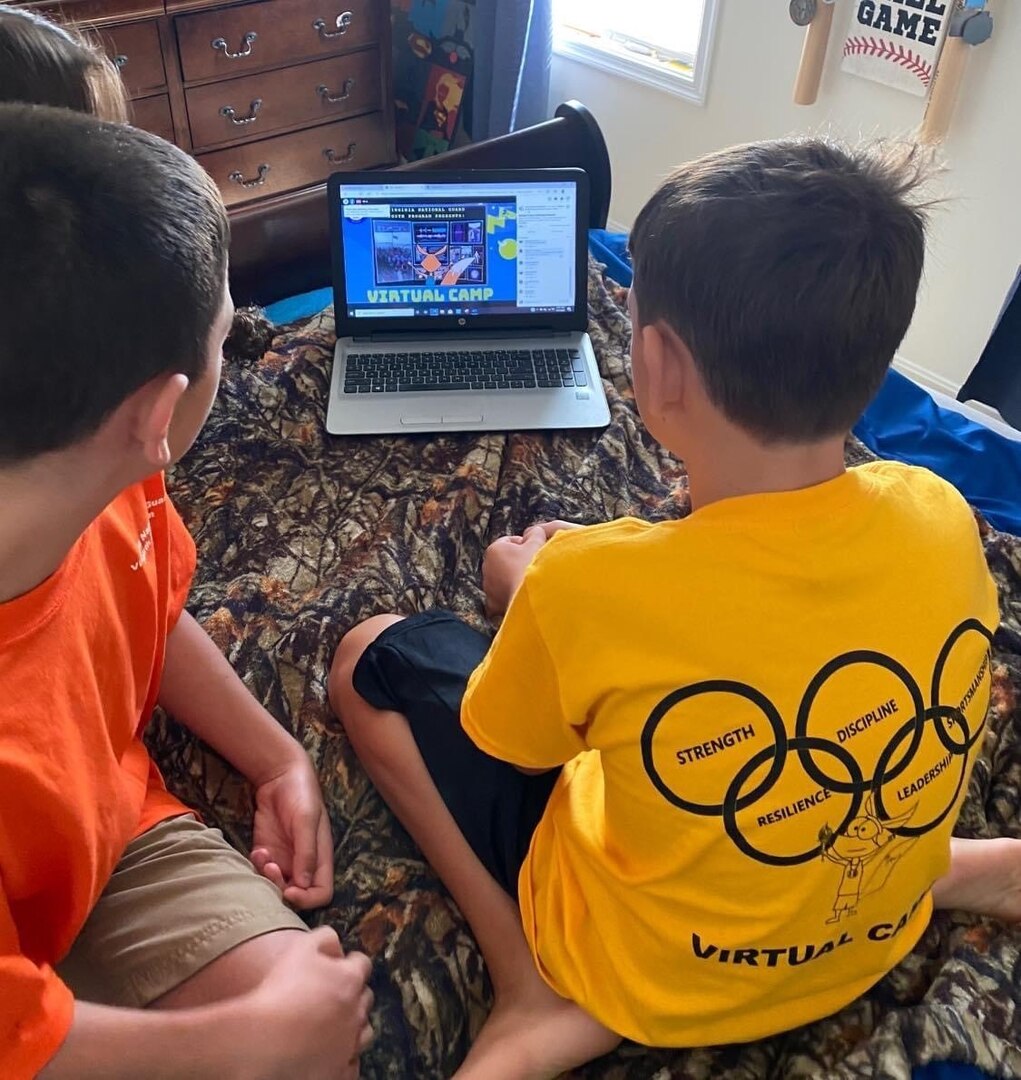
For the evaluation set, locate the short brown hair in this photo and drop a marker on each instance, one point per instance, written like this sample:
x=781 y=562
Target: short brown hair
x=112 y=271
x=42 y=63
x=790 y=270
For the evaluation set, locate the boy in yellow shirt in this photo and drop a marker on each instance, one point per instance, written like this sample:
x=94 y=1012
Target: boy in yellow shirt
x=701 y=786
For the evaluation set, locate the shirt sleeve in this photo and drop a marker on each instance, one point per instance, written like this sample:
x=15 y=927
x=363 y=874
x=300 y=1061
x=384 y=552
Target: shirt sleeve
x=512 y=708
x=36 y=1008
x=182 y=564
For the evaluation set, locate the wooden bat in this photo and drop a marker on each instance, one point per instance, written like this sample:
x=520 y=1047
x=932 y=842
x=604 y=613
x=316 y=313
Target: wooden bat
x=970 y=25
x=946 y=84
x=813 y=53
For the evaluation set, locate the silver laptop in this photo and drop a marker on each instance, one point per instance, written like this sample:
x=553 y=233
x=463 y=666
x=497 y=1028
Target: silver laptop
x=460 y=301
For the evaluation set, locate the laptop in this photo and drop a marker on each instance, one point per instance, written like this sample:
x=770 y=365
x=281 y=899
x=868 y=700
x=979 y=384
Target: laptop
x=460 y=302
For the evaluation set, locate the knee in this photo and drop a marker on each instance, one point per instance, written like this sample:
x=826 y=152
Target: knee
x=340 y=687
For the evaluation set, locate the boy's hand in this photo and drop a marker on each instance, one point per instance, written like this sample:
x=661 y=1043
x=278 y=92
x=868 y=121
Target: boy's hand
x=551 y=528
x=311 y=1014
x=292 y=842
x=504 y=566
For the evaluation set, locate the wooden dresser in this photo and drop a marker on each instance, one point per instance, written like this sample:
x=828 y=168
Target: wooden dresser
x=270 y=96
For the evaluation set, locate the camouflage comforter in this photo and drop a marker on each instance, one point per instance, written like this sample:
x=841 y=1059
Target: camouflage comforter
x=301 y=535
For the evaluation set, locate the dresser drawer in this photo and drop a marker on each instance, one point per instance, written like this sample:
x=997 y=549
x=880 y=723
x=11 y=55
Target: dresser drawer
x=153 y=114
x=271 y=33
x=135 y=49
x=259 y=104
x=95 y=14
x=285 y=162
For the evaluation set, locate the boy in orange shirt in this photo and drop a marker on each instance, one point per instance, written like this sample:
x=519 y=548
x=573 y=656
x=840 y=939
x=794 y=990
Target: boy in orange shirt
x=133 y=939
x=700 y=788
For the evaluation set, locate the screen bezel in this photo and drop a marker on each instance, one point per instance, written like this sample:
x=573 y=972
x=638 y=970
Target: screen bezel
x=362 y=327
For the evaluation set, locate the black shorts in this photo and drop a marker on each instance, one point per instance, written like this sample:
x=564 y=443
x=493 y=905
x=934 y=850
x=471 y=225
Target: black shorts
x=420 y=667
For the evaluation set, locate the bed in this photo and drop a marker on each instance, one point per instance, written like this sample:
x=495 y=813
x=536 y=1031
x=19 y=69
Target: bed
x=301 y=535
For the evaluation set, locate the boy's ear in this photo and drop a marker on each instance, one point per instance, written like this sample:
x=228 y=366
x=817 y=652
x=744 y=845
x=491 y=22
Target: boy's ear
x=157 y=401
x=663 y=366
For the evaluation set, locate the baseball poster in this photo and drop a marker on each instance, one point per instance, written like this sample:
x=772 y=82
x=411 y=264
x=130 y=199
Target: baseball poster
x=897 y=42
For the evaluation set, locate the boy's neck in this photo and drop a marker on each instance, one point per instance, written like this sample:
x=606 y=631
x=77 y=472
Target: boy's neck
x=740 y=465
x=47 y=504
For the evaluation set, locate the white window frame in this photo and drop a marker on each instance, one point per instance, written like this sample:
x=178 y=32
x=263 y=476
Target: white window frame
x=690 y=87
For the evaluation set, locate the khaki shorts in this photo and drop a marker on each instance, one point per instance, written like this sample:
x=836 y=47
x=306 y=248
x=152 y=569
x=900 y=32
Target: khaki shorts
x=179 y=898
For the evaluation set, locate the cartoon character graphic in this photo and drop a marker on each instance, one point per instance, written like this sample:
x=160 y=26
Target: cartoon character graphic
x=430 y=265
x=437 y=121
x=441 y=111
x=866 y=852
x=433 y=40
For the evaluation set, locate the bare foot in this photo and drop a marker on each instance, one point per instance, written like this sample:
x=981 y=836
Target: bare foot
x=984 y=878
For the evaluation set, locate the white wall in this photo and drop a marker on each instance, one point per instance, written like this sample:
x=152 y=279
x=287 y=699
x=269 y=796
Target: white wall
x=975 y=240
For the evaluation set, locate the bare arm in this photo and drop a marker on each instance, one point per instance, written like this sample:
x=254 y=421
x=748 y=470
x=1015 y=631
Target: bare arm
x=122 y=1044
x=204 y=693
x=293 y=843
x=310 y=1019
x=503 y=569
x=506 y=560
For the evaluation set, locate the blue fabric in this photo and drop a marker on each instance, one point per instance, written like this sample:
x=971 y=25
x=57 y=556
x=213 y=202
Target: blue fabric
x=948 y=1071
x=611 y=248
x=299 y=307
x=905 y=424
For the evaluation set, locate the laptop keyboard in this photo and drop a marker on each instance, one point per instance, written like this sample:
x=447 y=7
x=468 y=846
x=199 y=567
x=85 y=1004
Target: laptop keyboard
x=505 y=369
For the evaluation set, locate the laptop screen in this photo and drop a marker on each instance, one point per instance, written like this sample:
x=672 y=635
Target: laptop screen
x=445 y=250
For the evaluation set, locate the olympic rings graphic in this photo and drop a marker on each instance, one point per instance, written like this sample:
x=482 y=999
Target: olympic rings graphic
x=715 y=686
x=827 y=671
x=800 y=743
x=937 y=714
x=805 y=747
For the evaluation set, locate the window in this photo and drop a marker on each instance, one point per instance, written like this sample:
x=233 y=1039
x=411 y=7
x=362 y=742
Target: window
x=664 y=43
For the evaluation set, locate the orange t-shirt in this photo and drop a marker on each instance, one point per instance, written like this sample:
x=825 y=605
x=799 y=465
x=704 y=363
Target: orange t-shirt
x=81 y=659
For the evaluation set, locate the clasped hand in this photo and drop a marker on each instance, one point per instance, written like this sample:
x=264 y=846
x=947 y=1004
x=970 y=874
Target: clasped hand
x=507 y=559
x=293 y=844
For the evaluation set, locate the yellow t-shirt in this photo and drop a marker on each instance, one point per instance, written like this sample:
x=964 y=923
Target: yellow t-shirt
x=767 y=715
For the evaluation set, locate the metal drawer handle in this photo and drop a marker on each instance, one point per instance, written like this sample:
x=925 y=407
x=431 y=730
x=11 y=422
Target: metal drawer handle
x=246 y=46
x=253 y=113
x=343 y=24
x=334 y=158
x=345 y=93
x=119 y=61
x=238 y=178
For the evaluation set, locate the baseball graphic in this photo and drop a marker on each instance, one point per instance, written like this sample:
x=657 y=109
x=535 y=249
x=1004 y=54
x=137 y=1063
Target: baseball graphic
x=896 y=43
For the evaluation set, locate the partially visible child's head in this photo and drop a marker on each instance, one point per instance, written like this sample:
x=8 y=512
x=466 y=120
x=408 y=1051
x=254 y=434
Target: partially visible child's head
x=42 y=63
x=789 y=272
x=112 y=278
